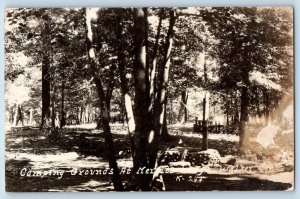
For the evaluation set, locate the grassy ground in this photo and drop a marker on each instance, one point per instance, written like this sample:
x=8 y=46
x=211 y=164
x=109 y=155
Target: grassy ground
x=82 y=147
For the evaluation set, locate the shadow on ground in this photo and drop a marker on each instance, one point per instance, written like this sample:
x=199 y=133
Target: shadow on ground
x=25 y=146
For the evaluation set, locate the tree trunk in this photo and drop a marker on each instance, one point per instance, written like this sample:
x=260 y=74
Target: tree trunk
x=11 y=115
x=257 y=102
x=62 y=111
x=236 y=117
x=53 y=106
x=163 y=79
x=31 y=116
x=185 y=109
x=126 y=102
x=182 y=115
x=45 y=91
x=227 y=117
x=19 y=116
x=109 y=144
x=164 y=132
x=172 y=117
x=123 y=112
x=154 y=62
x=267 y=105
x=244 y=115
x=81 y=115
x=205 y=69
x=204 y=126
x=228 y=103
x=111 y=85
x=86 y=113
x=78 y=115
x=15 y=115
x=45 y=74
x=141 y=99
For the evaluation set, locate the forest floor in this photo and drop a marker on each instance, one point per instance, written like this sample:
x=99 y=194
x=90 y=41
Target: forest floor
x=38 y=162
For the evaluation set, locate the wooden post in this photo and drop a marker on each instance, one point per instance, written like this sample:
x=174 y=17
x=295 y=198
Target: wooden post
x=204 y=127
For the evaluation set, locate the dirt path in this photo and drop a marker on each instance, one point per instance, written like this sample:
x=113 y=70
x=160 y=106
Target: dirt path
x=34 y=162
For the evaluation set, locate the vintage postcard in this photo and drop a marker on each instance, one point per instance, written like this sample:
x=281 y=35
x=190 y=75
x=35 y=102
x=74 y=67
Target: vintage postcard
x=149 y=99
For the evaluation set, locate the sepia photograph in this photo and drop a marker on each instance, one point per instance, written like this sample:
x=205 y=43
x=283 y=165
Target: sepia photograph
x=149 y=99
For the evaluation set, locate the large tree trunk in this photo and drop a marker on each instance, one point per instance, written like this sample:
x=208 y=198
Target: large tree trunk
x=163 y=79
x=141 y=99
x=127 y=100
x=45 y=90
x=45 y=74
x=109 y=145
x=244 y=115
x=154 y=57
x=164 y=132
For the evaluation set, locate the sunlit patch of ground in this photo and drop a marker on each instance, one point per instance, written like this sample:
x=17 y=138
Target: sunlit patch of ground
x=59 y=160
x=90 y=186
x=82 y=126
x=285 y=177
x=82 y=147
